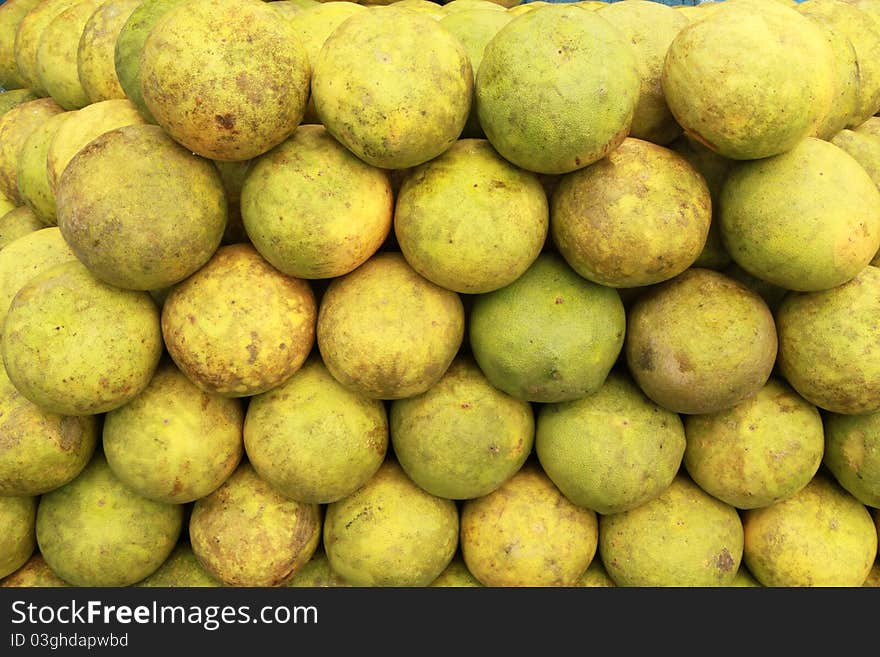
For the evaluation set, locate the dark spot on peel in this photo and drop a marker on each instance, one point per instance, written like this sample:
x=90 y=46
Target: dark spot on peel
x=225 y=121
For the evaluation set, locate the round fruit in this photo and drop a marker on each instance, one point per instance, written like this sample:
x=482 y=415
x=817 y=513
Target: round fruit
x=526 y=533
x=700 y=342
x=390 y=532
x=393 y=86
x=683 y=537
x=821 y=536
x=34 y=573
x=16 y=125
x=385 y=331
x=32 y=172
x=549 y=336
x=317 y=573
x=556 y=89
x=97 y=47
x=612 y=450
x=181 y=568
x=469 y=220
x=852 y=454
x=16 y=223
x=18 y=541
x=27 y=40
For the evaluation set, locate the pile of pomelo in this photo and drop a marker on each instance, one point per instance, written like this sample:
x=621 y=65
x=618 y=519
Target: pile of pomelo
x=414 y=294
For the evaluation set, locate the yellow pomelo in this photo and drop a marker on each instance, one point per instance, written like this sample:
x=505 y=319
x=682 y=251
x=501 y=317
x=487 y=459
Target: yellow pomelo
x=469 y=220
x=174 y=442
x=56 y=60
x=156 y=230
x=18 y=540
x=807 y=219
x=828 y=349
x=595 y=576
x=612 y=450
x=821 y=536
x=684 y=537
x=314 y=440
x=129 y=45
x=27 y=257
x=527 y=533
x=342 y=211
x=700 y=342
x=16 y=223
x=762 y=450
x=34 y=573
x=74 y=345
x=40 y=450
x=852 y=454
x=751 y=79
x=455 y=6
x=639 y=216
x=456 y=574
x=97 y=48
x=246 y=533
x=32 y=170
x=393 y=86
x=84 y=125
x=426 y=7
x=9 y=98
x=16 y=125
x=317 y=573
x=238 y=326
x=475 y=26
x=650 y=27
x=549 y=336
x=387 y=332
x=12 y=12
x=27 y=40
x=556 y=89
x=313 y=25
x=390 y=532
x=844 y=105
x=95 y=531
x=744 y=578
x=462 y=438
x=181 y=568
x=864 y=147
x=228 y=79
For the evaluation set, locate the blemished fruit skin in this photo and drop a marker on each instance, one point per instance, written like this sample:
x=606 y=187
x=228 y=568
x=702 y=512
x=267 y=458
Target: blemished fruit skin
x=763 y=449
x=74 y=345
x=683 y=537
x=95 y=531
x=491 y=233
x=238 y=326
x=613 y=220
x=245 y=533
x=16 y=125
x=821 y=536
x=750 y=79
x=12 y=12
x=180 y=569
x=390 y=532
x=828 y=349
x=17 y=543
x=140 y=210
x=34 y=573
x=32 y=173
x=700 y=342
x=95 y=55
x=386 y=331
x=556 y=89
x=317 y=573
x=343 y=209
x=400 y=104
x=549 y=336
x=174 y=442
x=612 y=450
x=199 y=83
x=852 y=454
x=527 y=533
x=27 y=41
x=461 y=438
x=39 y=450
x=807 y=219
x=313 y=439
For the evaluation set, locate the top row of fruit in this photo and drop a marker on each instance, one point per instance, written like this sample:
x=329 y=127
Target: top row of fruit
x=553 y=91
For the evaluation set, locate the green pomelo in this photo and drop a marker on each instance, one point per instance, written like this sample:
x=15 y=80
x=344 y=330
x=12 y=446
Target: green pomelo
x=612 y=450
x=180 y=569
x=32 y=169
x=852 y=454
x=313 y=439
x=760 y=451
x=549 y=336
x=462 y=438
x=140 y=210
x=18 y=540
x=74 y=345
x=700 y=342
x=95 y=55
x=317 y=573
x=34 y=573
x=174 y=442
x=9 y=98
x=95 y=531
x=556 y=89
